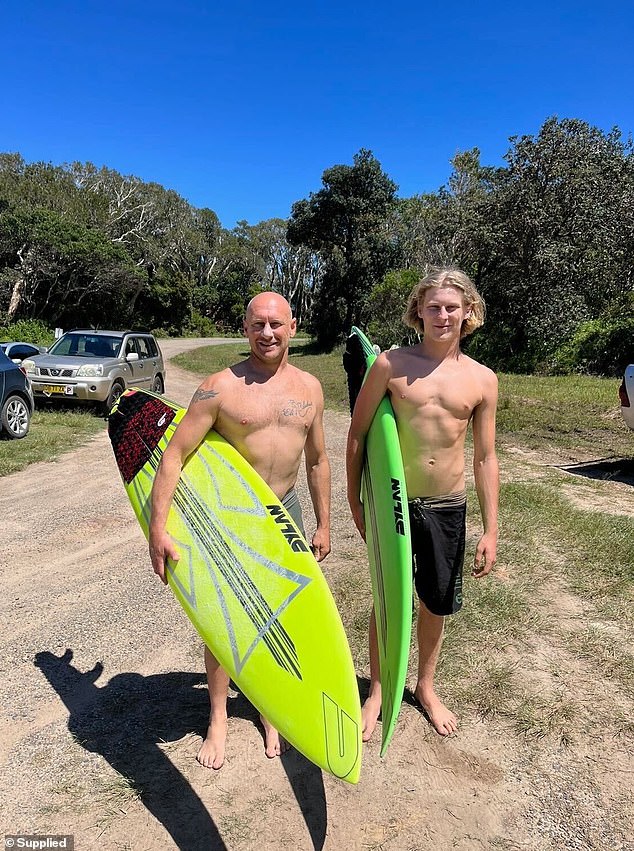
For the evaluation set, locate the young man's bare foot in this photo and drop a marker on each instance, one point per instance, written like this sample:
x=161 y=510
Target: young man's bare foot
x=370 y=712
x=274 y=744
x=212 y=751
x=442 y=719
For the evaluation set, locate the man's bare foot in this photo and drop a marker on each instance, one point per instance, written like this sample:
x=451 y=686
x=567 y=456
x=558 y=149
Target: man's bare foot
x=212 y=751
x=370 y=712
x=442 y=719
x=274 y=744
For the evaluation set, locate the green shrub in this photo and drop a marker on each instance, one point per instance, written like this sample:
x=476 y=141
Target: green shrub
x=386 y=306
x=199 y=326
x=490 y=345
x=598 y=347
x=28 y=331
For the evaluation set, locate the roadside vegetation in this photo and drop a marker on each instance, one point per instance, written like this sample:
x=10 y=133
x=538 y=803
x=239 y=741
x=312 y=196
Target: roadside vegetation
x=53 y=431
x=547 y=238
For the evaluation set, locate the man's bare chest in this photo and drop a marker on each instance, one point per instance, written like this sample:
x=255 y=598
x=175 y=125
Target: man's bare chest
x=248 y=412
x=435 y=396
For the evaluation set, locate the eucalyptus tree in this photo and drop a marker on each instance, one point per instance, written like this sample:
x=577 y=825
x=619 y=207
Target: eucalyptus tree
x=65 y=272
x=41 y=185
x=347 y=223
x=172 y=243
x=292 y=270
x=39 y=206
x=230 y=274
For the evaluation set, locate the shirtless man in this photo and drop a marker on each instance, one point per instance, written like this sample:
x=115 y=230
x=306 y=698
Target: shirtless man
x=272 y=413
x=435 y=391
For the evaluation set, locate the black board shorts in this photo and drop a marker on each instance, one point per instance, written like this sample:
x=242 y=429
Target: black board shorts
x=438 y=529
x=291 y=503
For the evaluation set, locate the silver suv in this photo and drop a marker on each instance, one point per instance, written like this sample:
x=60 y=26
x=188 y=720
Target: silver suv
x=97 y=366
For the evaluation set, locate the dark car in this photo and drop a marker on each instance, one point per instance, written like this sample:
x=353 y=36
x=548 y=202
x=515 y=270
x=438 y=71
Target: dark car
x=16 y=399
x=19 y=351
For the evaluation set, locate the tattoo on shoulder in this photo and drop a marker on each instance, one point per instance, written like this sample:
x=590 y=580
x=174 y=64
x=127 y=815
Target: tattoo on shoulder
x=297 y=408
x=200 y=395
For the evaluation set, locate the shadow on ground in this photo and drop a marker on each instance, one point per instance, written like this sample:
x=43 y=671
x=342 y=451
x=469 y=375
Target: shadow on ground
x=608 y=469
x=124 y=721
x=128 y=718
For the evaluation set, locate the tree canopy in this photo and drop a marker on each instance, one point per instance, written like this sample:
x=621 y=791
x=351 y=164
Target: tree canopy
x=548 y=239
x=345 y=222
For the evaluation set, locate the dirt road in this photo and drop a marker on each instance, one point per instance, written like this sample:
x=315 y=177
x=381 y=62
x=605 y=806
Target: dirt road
x=103 y=703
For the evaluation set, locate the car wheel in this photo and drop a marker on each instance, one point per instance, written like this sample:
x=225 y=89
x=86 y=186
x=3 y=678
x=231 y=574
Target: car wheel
x=15 y=417
x=157 y=385
x=115 y=391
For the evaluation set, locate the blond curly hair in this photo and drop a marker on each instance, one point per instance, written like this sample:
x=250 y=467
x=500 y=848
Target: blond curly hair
x=447 y=276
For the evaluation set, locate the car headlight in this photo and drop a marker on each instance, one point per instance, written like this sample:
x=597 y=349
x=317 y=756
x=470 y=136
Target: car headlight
x=90 y=370
x=28 y=366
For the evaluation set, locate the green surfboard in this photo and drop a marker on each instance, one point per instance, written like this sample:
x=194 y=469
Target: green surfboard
x=249 y=583
x=384 y=496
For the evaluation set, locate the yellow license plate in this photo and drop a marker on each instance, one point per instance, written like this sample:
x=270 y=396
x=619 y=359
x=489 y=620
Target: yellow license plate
x=50 y=389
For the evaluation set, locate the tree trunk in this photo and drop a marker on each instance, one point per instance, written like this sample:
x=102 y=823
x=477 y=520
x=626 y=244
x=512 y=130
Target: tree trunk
x=16 y=298
x=136 y=293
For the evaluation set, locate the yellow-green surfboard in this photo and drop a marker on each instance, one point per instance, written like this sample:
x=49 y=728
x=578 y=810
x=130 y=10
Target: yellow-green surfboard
x=249 y=583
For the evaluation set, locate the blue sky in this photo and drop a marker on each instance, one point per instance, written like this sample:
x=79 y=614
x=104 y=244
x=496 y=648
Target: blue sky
x=240 y=106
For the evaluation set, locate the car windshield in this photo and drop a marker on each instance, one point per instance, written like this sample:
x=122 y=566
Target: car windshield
x=86 y=345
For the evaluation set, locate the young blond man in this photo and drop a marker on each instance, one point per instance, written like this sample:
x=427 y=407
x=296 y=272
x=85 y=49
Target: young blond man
x=436 y=391
x=272 y=413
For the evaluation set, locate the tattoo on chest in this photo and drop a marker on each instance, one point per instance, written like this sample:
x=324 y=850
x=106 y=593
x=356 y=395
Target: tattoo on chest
x=199 y=395
x=297 y=408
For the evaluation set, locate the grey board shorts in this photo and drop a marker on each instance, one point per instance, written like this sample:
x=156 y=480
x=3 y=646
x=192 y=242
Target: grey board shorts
x=292 y=504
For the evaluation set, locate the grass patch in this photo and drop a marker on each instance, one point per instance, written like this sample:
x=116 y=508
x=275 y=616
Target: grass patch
x=540 y=717
x=115 y=794
x=53 y=431
x=475 y=666
x=118 y=791
x=488 y=686
x=570 y=412
x=236 y=828
x=592 y=550
x=607 y=653
x=210 y=359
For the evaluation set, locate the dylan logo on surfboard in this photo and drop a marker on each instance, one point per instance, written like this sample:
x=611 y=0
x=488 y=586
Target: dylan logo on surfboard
x=288 y=530
x=399 y=523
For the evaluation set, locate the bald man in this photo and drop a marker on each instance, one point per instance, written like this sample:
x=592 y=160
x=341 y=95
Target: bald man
x=272 y=413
